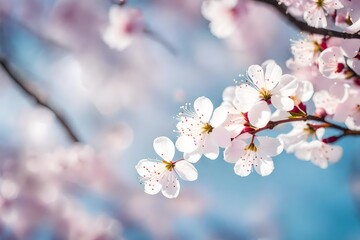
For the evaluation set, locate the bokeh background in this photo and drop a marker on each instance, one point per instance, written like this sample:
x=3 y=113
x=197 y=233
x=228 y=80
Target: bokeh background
x=118 y=102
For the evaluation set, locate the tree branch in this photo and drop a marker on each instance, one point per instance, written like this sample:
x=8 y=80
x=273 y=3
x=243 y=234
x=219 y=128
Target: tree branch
x=31 y=93
x=303 y=26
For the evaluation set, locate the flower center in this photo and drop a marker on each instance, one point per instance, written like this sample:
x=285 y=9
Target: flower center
x=169 y=165
x=207 y=128
x=251 y=147
x=310 y=131
x=320 y=3
x=265 y=94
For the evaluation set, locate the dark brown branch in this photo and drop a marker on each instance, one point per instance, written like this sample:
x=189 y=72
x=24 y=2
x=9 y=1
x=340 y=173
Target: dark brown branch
x=303 y=26
x=31 y=93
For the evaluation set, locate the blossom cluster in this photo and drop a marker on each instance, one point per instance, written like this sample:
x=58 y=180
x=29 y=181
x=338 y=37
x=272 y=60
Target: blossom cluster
x=264 y=99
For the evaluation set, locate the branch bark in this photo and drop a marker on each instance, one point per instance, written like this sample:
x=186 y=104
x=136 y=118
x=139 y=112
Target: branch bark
x=32 y=93
x=303 y=26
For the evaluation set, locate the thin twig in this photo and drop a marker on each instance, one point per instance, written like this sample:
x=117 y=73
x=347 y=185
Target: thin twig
x=31 y=93
x=303 y=26
x=156 y=37
x=272 y=124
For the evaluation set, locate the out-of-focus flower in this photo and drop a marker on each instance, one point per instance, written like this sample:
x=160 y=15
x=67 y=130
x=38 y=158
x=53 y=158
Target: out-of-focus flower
x=224 y=15
x=124 y=25
x=316 y=11
x=319 y=153
x=307 y=50
x=248 y=154
x=332 y=63
x=162 y=175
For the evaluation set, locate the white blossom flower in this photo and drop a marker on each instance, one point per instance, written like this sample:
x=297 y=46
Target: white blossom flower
x=300 y=133
x=125 y=24
x=163 y=175
x=201 y=130
x=332 y=63
x=236 y=119
x=329 y=100
x=306 y=50
x=224 y=15
x=319 y=153
x=264 y=87
x=316 y=11
x=256 y=153
x=349 y=112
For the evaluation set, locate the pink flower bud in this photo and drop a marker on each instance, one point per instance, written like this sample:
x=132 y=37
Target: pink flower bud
x=320 y=112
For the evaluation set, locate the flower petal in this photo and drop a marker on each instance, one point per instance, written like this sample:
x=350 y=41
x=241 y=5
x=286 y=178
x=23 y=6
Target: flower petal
x=244 y=165
x=192 y=157
x=287 y=86
x=273 y=74
x=186 y=144
x=233 y=153
x=247 y=97
x=219 y=117
x=170 y=185
x=164 y=147
x=270 y=146
x=221 y=137
x=282 y=103
x=186 y=170
x=256 y=74
x=260 y=114
x=203 y=108
x=263 y=165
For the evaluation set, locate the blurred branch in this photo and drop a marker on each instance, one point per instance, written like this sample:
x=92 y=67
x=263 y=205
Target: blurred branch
x=39 y=100
x=303 y=26
x=156 y=37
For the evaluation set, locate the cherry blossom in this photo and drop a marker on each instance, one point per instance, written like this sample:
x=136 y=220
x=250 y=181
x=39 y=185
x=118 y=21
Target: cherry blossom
x=316 y=11
x=332 y=63
x=201 y=130
x=255 y=153
x=224 y=15
x=307 y=50
x=266 y=85
x=319 y=153
x=125 y=24
x=163 y=175
x=349 y=112
x=299 y=134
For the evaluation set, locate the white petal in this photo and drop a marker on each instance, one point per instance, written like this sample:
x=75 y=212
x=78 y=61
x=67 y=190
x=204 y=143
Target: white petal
x=219 y=116
x=186 y=170
x=210 y=149
x=186 y=144
x=256 y=74
x=170 y=185
x=287 y=86
x=221 y=137
x=273 y=74
x=282 y=103
x=339 y=91
x=233 y=153
x=247 y=97
x=151 y=187
x=229 y=94
x=350 y=47
x=164 y=147
x=305 y=91
x=260 y=114
x=270 y=146
x=192 y=157
x=244 y=165
x=203 y=108
x=263 y=165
